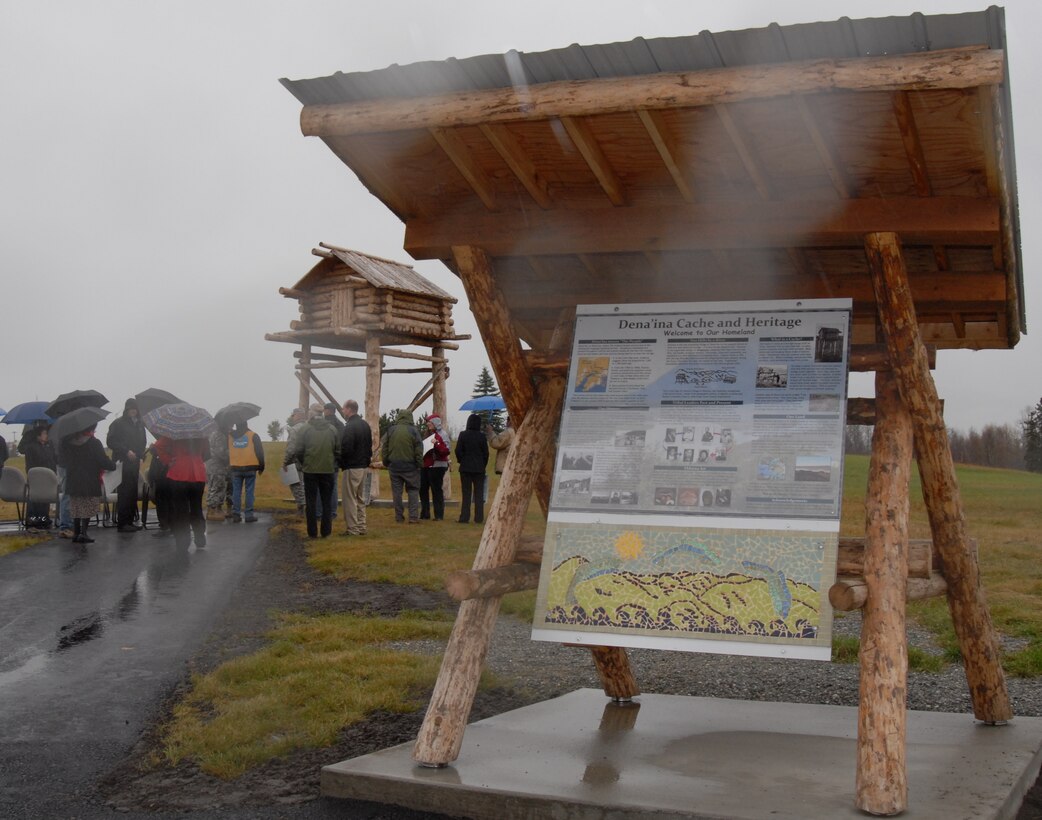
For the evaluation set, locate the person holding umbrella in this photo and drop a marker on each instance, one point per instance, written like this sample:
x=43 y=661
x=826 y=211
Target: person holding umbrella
x=126 y=439
x=186 y=475
x=85 y=460
x=246 y=462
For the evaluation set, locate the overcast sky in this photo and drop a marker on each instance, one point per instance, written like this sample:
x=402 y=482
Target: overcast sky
x=155 y=190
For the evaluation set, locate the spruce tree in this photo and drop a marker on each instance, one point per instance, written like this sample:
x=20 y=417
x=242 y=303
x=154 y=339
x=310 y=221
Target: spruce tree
x=1032 y=426
x=486 y=386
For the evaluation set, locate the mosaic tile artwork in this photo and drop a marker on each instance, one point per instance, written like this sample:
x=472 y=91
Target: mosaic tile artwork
x=707 y=583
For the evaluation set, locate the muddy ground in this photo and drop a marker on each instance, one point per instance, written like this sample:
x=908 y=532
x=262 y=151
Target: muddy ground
x=283 y=581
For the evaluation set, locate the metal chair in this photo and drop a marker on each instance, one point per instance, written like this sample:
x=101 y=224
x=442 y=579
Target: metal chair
x=12 y=489
x=41 y=488
x=110 y=497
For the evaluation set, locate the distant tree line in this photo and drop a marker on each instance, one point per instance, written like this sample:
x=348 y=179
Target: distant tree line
x=1010 y=446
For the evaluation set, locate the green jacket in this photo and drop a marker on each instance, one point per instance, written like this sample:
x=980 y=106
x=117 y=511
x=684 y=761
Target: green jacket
x=403 y=447
x=316 y=447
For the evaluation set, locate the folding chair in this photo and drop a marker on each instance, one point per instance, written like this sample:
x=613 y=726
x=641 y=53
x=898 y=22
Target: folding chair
x=41 y=488
x=12 y=489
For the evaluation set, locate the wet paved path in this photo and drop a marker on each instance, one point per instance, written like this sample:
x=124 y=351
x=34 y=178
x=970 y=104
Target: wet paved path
x=91 y=640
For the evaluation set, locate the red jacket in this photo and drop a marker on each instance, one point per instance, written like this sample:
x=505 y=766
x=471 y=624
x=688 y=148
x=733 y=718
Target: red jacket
x=186 y=458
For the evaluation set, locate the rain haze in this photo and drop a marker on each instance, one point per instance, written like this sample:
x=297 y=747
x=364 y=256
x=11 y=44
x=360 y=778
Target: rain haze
x=156 y=189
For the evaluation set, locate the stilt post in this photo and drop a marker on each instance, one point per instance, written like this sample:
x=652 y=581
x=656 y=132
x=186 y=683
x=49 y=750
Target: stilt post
x=882 y=777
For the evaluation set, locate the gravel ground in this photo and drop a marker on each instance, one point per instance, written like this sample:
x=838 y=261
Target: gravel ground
x=525 y=671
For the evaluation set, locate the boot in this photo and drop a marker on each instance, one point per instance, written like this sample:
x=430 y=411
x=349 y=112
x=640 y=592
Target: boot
x=77 y=536
x=84 y=538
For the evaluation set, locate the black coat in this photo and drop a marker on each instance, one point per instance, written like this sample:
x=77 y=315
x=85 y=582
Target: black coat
x=472 y=447
x=37 y=454
x=84 y=464
x=356 y=445
x=124 y=435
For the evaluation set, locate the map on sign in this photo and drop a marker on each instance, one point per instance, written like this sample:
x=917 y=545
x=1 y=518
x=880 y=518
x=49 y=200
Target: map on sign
x=697 y=487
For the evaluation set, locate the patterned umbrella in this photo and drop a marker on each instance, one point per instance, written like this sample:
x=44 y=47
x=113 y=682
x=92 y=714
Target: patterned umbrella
x=235 y=413
x=149 y=400
x=179 y=421
x=26 y=413
x=71 y=401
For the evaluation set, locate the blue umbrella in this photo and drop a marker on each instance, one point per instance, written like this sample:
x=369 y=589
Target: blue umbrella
x=26 y=413
x=484 y=403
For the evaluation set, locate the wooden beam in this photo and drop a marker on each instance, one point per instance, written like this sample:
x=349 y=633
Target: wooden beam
x=441 y=734
x=407 y=370
x=496 y=326
x=327 y=365
x=464 y=585
x=404 y=354
x=514 y=155
x=850 y=592
x=720 y=225
x=951 y=68
x=463 y=158
x=668 y=149
x=970 y=616
x=592 y=152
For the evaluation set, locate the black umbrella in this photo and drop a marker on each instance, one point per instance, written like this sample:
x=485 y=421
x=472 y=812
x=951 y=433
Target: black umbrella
x=75 y=421
x=238 y=412
x=149 y=400
x=74 y=400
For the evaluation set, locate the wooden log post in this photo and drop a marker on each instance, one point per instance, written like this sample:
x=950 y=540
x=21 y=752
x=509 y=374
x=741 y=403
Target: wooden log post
x=373 y=379
x=441 y=734
x=439 y=373
x=882 y=777
x=305 y=360
x=966 y=601
x=496 y=325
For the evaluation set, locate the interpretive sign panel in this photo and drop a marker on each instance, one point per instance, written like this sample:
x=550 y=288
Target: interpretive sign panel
x=697 y=489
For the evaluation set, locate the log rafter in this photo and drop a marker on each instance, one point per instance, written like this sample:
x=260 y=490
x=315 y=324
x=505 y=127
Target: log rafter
x=509 y=147
x=949 y=68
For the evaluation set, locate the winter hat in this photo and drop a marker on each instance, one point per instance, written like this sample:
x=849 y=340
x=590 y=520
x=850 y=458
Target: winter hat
x=130 y=405
x=315 y=410
x=329 y=405
x=435 y=420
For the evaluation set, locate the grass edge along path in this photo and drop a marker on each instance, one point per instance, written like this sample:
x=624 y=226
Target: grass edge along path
x=318 y=675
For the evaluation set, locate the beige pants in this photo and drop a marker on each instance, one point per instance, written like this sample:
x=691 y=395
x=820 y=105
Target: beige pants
x=354 y=503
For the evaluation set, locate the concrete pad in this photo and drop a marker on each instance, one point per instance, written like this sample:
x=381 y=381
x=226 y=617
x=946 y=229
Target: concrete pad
x=580 y=757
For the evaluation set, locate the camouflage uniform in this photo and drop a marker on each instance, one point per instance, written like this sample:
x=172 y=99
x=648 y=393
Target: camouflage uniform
x=298 y=488
x=218 y=477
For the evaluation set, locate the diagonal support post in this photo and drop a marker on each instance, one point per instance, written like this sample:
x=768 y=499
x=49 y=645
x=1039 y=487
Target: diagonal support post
x=966 y=602
x=441 y=734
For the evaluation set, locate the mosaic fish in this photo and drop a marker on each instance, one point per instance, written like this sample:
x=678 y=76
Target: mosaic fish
x=709 y=555
x=777 y=586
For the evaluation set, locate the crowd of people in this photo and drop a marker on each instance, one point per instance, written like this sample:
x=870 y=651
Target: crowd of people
x=194 y=480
